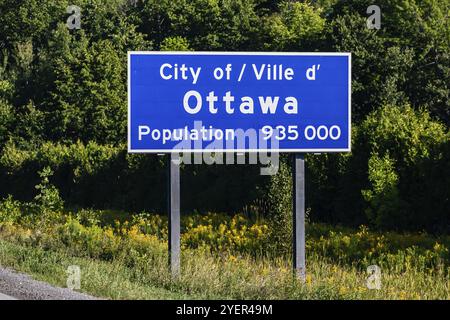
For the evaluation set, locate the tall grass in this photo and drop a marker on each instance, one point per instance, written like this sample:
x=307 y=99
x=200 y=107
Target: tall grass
x=131 y=256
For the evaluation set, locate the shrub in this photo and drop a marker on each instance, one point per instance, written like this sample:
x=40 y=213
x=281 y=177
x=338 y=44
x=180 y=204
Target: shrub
x=10 y=210
x=88 y=217
x=404 y=148
x=6 y=120
x=105 y=176
x=295 y=25
x=278 y=199
x=215 y=232
x=395 y=178
x=384 y=203
x=92 y=241
x=48 y=199
x=175 y=44
x=13 y=159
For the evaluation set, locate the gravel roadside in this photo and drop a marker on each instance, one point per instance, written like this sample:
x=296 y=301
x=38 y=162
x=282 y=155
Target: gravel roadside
x=23 y=287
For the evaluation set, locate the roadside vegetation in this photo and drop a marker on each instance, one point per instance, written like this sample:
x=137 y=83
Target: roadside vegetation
x=124 y=256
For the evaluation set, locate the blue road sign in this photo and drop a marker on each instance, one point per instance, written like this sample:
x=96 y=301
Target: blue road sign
x=239 y=101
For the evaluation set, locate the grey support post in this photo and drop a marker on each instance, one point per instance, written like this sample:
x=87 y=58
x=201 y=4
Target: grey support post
x=174 y=213
x=298 y=226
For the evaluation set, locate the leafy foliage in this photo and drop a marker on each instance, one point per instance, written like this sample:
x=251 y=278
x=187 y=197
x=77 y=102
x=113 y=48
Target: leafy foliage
x=48 y=198
x=396 y=155
x=63 y=106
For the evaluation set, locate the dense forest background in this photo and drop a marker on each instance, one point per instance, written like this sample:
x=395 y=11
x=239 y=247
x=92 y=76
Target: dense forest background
x=63 y=105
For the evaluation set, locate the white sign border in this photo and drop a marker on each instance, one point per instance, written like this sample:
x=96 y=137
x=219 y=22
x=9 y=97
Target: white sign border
x=229 y=53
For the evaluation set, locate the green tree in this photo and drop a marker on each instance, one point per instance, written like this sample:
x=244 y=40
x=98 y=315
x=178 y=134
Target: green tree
x=86 y=89
x=206 y=24
x=175 y=44
x=396 y=156
x=409 y=54
x=296 y=26
x=379 y=70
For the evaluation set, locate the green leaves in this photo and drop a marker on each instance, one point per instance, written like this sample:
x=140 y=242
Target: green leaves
x=383 y=197
x=406 y=61
x=48 y=199
x=206 y=24
x=294 y=26
x=175 y=44
x=408 y=135
x=404 y=148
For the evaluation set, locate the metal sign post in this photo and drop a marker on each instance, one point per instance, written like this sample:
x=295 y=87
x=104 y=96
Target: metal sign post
x=174 y=213
x=298 y=214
